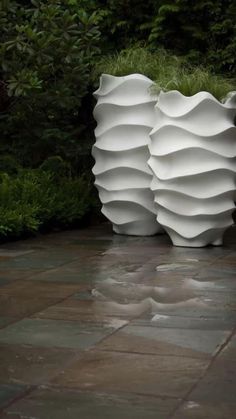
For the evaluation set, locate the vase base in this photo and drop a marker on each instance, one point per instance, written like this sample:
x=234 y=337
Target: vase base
x=208 y=238
x=139 y=228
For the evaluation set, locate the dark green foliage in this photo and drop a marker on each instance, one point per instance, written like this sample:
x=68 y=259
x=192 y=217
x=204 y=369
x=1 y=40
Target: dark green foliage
x=46 y=54
x=34 y=200
x=204 y=31
x=9 y=165
x=50 y=47
x=124 y=22
x=56 y=166
x=48 y=70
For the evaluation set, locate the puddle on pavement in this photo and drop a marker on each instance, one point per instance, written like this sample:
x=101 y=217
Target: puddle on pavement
x=176 y=266
x=125 y=294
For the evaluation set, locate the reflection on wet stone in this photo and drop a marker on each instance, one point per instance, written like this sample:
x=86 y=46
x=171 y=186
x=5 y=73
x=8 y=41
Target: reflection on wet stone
x=93 y=318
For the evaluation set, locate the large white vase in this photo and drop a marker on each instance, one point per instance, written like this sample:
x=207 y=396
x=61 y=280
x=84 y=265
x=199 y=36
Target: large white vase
x=193 y=150
x=125 y=116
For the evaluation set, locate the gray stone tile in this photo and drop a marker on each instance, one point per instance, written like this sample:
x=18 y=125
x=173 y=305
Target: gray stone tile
x=226 y=322
x=181 y=342
x=38 y=260
x=55 y=404
x=25 y=365
x=218 y=384
x=4 y=321
x=9 y=392
x=54 y=333
x=8 y=275
x=211 y=305
x=229 y=351
x=4 y=281
x=79 y=287
x=12 y=253
x=75 y=309
x=19 y=306
x=197 y=410
x=133 y=373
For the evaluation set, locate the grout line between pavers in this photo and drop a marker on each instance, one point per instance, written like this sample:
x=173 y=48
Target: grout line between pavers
x=54 y=268
x=82 y=352
x=225 y=343
x=202 y=358
x=117 y=392
x=35 y=312
x=186 y=397
x=19 y=397
x=74 y=358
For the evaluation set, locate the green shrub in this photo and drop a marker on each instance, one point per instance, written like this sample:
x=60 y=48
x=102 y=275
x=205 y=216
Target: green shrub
x=72 y=201
x=8 y=164
x=56 y=166
x=34 y=200
x=46 y=52
x=17 y=216
x=204 y=31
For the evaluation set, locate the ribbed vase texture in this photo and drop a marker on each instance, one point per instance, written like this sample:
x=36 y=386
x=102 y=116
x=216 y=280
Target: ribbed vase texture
x=125 y=116
x=193 y=150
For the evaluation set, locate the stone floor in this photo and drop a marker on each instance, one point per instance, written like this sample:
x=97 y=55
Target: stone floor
x=95 y=325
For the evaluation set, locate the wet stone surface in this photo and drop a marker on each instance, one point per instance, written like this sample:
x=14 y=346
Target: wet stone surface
x=99 y=325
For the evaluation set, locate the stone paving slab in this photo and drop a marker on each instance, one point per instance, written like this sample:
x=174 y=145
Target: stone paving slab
x=73 y=309
x=226 y=323
x=10 y=274
x=51 y=333
x=19 y=307
x=196 y=410
x=28 y=288
x=23 y=298
x=180 y=342
x=133 y=373
x=83 y=272
x=219 y=384
x=100 y=325
x=4 y=321
x=9 y=392
x=229 y=350
x=23 y=364
x=55 y=404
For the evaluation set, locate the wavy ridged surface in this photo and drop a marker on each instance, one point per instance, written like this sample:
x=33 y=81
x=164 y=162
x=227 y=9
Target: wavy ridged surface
x=125 y=116
x=193 y=159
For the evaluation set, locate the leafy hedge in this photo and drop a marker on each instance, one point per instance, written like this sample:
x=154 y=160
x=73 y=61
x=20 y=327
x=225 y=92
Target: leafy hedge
x=38 y=199
x=204 y=31
x=46 y=53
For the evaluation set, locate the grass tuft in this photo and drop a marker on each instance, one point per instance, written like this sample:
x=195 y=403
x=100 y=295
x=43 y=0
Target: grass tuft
x=168 y=72
x=140 y=60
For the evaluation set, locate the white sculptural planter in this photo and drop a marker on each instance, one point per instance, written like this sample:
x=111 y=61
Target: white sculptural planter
x=193 y=150
x=125 y=116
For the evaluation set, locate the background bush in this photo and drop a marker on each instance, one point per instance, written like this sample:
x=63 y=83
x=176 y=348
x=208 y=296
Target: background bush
x=51 y=55
x=46 y=54
x=50 y=48
x=36 y=200
x=203 y=31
